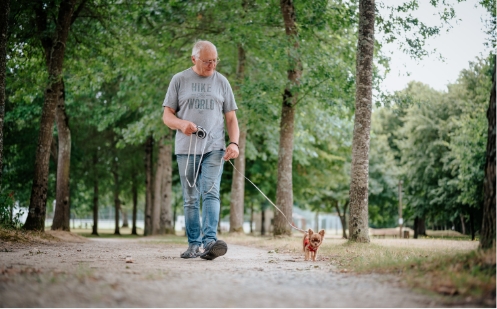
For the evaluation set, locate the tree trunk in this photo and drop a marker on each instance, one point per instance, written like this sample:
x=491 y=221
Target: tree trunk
x=117 y=201
x=159 y=174
x=4 y=25
x=487 y=235
x=472 y=224
x=238 y=187
x=343 y=218
x=62 y=204
x=362 y=124
x=251 y=218
x=124 y=214
x=38 y=199
x=166 y=214
x=463 y=225
x=149 y=147
x=95 y=195
x=263 y=222
x=134 y=192
x=238 y=184
x=284 y=188
x=419 y=227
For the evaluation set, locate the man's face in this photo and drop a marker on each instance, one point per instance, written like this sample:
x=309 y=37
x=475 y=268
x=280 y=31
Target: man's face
x=206 y=64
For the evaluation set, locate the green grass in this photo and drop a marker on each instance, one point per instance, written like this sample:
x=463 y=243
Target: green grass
x=447 y=266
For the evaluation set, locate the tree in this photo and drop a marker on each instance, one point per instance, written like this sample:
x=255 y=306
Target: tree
x=362 y=124
x=4 y=24
x=284 y=190
x=487 y=238
x=55 y=60
x=238 y=183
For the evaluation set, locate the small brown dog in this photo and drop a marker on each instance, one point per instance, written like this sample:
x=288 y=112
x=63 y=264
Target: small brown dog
x=312 y=241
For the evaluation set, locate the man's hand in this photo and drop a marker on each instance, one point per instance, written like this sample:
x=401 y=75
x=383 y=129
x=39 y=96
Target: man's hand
x=232 y=152
x=188 y=127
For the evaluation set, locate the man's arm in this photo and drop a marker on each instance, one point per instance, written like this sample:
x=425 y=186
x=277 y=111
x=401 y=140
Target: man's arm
x=174 y=123
x=232 y=151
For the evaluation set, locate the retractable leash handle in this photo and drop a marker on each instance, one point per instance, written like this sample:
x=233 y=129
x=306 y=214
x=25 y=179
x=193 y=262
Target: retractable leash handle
x=201 y=133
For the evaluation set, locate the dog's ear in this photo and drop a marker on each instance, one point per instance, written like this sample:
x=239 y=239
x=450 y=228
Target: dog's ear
x=321 y=233
x=310 y=232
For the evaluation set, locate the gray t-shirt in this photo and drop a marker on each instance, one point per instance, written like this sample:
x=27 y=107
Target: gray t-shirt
x=202 y=100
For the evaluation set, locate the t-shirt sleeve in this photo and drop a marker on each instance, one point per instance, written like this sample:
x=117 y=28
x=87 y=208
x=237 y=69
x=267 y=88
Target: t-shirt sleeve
x=171 y=99
x=229 y=99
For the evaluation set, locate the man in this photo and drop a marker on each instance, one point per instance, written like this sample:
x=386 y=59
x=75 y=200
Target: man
x=195 y=103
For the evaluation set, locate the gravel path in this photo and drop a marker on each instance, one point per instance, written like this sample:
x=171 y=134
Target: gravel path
x=94 y=273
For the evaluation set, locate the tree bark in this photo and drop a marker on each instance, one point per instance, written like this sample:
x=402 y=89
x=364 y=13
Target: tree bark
x=487 y=237
x=263 y=221
x=166 y=214
x=284 y=188
x=95 y=195
x=463 y=225
x=343 y=218
x=38 y=199
x=4 y=26
x=362 y=124
x=117 y=201
x=251 y=218
x=159 y=174
x=419 y=227
x=149 y=147
x=62 y=202
x=238 y=183
x=238 y=187
x=124 y=214
x=134 y=192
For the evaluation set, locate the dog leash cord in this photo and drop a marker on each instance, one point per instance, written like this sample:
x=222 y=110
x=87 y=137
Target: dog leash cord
x=294 y=227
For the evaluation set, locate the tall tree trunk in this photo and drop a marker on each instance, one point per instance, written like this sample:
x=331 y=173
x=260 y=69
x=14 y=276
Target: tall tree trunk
x=487 y=235
x=38 y=199
x=251 y=218
x=472 y=224
x=95 y=194
x=124 y=214
x=463 y=225
x=362 y=124
x=4 y=26
x=343 y=218
x=62 y=202
x=159 y=174
x=117 y=201
x=284 y=188
x=238 y=183
x=149 y=147
x=263 y=221
x=166 y=214
x=134 y=192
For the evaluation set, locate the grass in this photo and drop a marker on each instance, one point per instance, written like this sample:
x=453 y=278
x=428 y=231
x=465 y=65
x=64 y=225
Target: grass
x=22 y=236
x=452 y=267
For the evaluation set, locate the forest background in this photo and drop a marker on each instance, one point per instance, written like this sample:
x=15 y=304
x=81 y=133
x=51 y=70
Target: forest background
x=120 y=56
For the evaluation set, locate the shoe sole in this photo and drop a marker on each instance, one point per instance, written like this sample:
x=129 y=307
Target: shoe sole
x=218 y=249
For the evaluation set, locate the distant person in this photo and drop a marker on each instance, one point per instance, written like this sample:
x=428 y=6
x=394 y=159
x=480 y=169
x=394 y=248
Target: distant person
x=195 y=103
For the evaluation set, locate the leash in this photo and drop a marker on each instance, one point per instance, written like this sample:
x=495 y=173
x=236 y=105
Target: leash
x=294 y=227
x=201 y=134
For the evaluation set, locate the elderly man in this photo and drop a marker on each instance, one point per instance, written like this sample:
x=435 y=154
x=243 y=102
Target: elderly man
x=195 y=103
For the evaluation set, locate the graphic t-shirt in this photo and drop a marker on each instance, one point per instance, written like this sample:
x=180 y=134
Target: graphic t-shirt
x=202 y=100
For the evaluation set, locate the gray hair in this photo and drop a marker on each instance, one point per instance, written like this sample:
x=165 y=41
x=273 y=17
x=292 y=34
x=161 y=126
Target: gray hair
x=199 y=46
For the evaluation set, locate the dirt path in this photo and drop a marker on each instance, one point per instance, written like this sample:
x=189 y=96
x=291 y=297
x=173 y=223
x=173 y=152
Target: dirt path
x=94 y=273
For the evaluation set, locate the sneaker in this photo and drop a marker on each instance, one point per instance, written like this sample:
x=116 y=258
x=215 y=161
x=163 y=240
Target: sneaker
x=192 y=252
x=214 y=249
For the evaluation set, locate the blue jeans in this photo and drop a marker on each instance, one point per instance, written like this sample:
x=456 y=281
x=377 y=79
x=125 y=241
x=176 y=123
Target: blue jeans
x=206 y=187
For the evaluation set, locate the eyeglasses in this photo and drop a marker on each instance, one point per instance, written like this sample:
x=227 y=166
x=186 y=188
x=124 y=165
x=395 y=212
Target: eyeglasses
x=212 y=61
